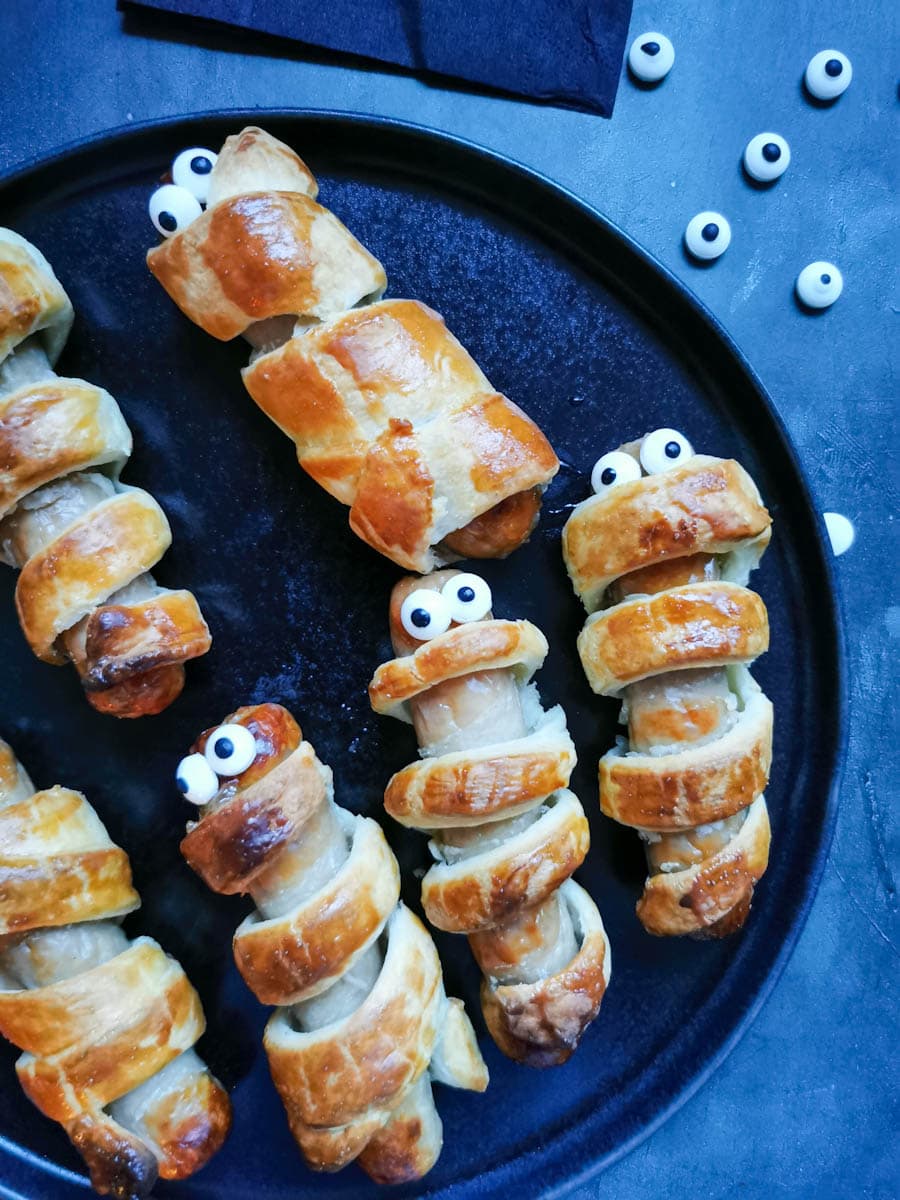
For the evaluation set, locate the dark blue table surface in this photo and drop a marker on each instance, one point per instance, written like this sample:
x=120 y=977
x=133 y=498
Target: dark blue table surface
x=807 y=1104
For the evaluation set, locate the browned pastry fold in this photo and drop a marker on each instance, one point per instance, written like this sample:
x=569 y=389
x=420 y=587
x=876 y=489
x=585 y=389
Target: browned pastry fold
x=84 y=543
x=388 y=411
x=106 y=1026
x=668 y=556
x=362 y=1023
x=507 y=834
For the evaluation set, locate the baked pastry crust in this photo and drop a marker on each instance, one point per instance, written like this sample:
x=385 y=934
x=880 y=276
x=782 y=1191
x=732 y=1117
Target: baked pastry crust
x=94 y=1027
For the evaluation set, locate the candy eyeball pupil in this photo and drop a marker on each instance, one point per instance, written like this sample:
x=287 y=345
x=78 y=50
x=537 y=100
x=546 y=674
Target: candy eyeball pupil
x=201 y=165
x=825 y=278
x=168 y=221
x=182 y=784
x=466 y=594
x=672 y=450
x=224 y=747
x=709 y=232
x=651 y=48
x=771 y=152
x=420 y=618
x=608 y=476
x=833 y=68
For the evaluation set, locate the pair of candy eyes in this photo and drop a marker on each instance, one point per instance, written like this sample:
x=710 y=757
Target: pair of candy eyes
x=660 y=451
x=230 y=750
x=174 y=205
x=425 y=614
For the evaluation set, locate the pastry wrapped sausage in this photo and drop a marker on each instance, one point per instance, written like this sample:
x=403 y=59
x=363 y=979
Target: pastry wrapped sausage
x=490 y=787
x=106 y=1025
x=84 y=543
x=363 y=1025
x=661 y=556
x=388 y=412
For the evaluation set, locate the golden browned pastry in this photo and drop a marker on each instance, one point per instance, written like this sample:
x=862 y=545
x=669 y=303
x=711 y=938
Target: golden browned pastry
x=106 y=1025
x=388 y=412
x=661 y=556
x=363 y=1025
x=491 y=789
x=84 y=542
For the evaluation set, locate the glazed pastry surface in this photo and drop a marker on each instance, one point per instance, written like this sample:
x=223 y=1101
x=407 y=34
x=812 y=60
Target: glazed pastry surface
x=106 y=1025
x=362 y=1025
x=84 y=543
x=491 y=789
x=388 y=411
x=660 y=558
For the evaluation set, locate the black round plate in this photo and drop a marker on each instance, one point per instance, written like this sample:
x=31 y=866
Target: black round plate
x=598 y=343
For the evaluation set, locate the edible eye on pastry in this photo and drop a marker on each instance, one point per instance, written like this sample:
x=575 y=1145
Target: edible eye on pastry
x=196 y=780
x=173 y=208
x=425 y=614
x=663 y=449
x=651 y=57
x=828 y=74
x=192 y=169
x=230 y=749
x=707 y=235
x=612 y=469
x=468 y=597
x=766 y=156
x=819 y=284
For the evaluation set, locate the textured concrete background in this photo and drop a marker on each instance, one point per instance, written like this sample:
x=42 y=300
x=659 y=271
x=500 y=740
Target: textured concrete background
x=807 y=1105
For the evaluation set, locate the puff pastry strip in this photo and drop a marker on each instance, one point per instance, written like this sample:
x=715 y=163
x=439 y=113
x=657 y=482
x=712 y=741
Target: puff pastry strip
x=363 y=1025
x=106 y=1025
x=661 y=562
x=388 y=411
x=84 y=543
x=507 y=833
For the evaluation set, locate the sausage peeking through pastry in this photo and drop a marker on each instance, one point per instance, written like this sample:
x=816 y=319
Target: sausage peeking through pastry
x=490 y=788
x=388 y=412
x=85 y=544
x=106 y=1025
x=660 y=556
x=363 y=1025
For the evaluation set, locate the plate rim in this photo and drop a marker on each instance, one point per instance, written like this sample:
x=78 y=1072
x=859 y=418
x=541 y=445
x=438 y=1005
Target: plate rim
x=19 y=176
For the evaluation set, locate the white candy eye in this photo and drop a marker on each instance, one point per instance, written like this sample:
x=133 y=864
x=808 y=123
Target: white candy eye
x=766 y=157
x=651 y=57
x=192 y=169
x=173 y=208
x=828 y=74
x=425 y=614
x=196 y=780
x=819 y=284
x=663 y=449
x=468 y=597
x=707 y=235
x=230 y=749
x=612 y=469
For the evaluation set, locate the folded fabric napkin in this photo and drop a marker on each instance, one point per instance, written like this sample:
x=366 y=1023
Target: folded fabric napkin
x=565 y=52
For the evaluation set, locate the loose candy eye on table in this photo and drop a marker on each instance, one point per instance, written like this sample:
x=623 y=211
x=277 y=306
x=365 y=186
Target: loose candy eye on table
x=766 y=157
x=819 y=285
x=828 y=74
x=651 y=57
x=708 y=235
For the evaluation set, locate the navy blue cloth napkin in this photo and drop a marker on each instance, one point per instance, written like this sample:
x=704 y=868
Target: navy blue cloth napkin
x=564 y=52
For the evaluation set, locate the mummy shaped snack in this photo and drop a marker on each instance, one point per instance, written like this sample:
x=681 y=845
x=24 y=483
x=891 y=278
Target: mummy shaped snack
x=363 y=1025
x=491 y=789
x=660 y=557
x=84 y=542
x=388 y=412
x=106 y=1025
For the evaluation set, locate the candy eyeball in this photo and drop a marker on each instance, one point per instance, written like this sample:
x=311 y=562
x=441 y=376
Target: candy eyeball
x=230 y=749
x=612 y=469
x=819 y=285
x=663 y=449
x=468 y=597
x=196 y=780
x=651 y=57
x=173 y=208
x=766 y=157
x=707 y=235
x=192 y=169
x=425 y=614
x=828 y=74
